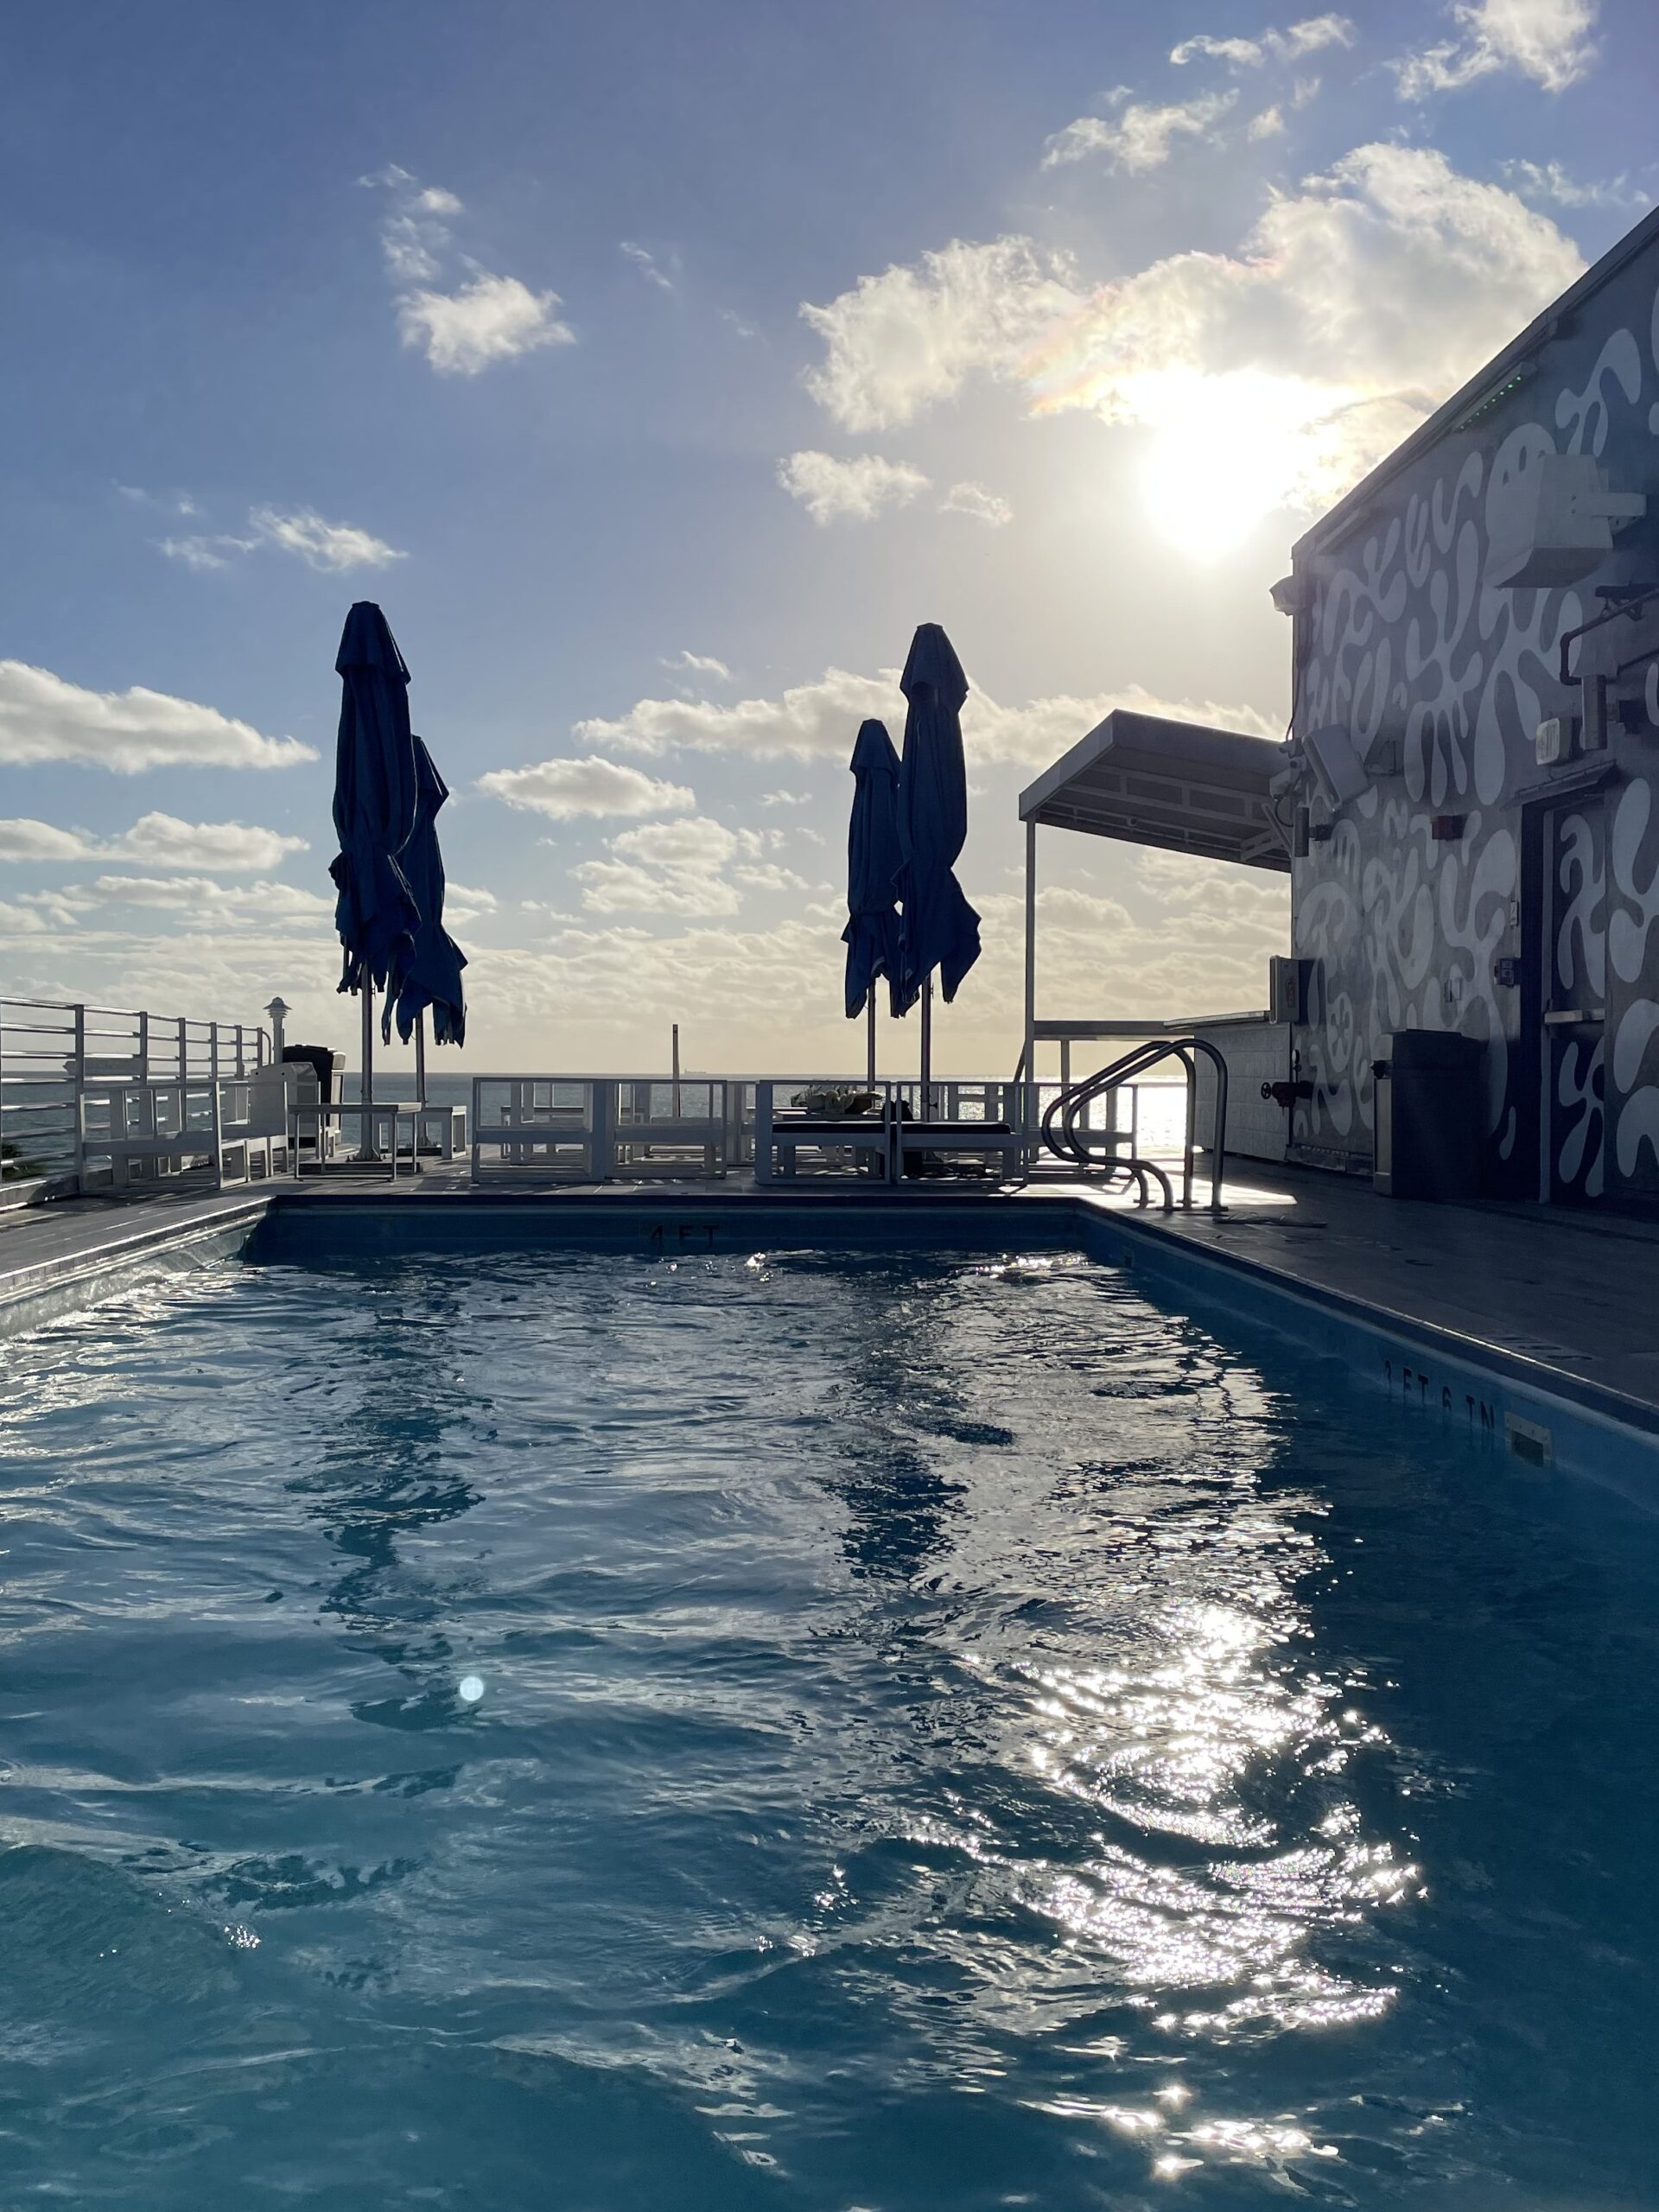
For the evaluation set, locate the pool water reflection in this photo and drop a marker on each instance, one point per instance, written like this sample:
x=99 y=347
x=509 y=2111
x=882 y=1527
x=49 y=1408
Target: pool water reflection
x=820 y=1731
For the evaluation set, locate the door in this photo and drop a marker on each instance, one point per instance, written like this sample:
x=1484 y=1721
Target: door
x=1574 y=1001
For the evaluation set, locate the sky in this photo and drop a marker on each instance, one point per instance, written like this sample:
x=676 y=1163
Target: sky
x=658 y=369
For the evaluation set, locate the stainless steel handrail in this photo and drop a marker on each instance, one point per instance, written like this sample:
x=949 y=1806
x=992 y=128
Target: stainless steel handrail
x=1080 y=1145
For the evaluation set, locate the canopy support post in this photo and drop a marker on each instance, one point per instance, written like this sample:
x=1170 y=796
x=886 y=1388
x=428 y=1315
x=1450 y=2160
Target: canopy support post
x=420 y=1058
x=1031 y=991
x=869 y=1038
x=927 y=1046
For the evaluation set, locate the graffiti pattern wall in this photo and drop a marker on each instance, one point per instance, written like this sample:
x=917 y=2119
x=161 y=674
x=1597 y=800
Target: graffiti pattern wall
x=1407 y=647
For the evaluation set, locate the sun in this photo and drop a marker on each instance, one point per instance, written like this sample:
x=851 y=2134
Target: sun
x=1225 y=453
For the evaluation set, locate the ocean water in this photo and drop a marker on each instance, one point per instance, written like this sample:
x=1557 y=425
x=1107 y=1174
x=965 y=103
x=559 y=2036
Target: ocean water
x=821 y=1732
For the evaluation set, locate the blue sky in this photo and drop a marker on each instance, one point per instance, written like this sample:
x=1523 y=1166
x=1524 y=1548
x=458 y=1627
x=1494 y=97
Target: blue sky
x=658 y=369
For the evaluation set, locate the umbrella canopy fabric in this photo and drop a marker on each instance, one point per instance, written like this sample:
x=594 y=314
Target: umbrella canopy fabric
x=939 y=928
x=375 y=793
x=872 y=858
x=433 y=978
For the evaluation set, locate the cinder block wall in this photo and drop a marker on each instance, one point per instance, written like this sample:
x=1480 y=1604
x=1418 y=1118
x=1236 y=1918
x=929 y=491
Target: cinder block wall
x=1255 y=1052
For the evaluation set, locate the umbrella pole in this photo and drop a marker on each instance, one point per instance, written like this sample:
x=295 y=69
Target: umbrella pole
x=869 y=1048
x=365 y=1147
x=420 y=1058
x=927 y=1047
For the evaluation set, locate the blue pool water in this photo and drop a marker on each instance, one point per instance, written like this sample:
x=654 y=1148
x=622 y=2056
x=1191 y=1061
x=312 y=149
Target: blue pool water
x=952 y=1736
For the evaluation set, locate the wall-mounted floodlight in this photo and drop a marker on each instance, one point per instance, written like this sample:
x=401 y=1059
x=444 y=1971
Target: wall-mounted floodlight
x=1552 y=522
x=1288 y=595
x=1342 y=775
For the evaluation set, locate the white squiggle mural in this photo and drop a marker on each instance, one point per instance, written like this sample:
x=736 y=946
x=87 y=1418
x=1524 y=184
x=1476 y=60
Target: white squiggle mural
x=1638 y=1114
x=1407 y=641
x=1578 y=1098
x=1586 y=415
x=1627 y=933
x=1580 y=932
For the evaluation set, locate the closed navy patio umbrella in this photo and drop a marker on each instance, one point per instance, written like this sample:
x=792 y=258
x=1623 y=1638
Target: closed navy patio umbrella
x=434 y=974
x=375 y=797
x=939 y=929
x=872 y=932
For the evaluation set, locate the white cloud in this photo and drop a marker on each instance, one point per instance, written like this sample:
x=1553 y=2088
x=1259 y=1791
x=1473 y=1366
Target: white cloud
x=901 y=341
x=492 y=319
x=45 y=718
x=1549 y=41
x=202 y=553
x=668 y=867
x=785 y=798
x=1309 y=36
x=22 y=839
x=462 y=329
x=1270 y=123
x=228 y=847
x=218 y=903
x=167 y=503
x=330 y=546
x=767 y=875
x=698 y=665
x=464 y=903
x=564 y=788
x=849 y=491
x=975 y=501
x=820 y=720
x=1549 y=180
x=646 y=263
x=1275 y=375
x=224 y=847
x=1137 y=138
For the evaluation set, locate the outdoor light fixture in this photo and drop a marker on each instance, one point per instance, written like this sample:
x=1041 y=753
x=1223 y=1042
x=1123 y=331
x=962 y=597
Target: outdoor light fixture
x=1342 y=775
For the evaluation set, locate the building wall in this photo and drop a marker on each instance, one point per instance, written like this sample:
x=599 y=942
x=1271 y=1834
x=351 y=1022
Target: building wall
x=1402 y=637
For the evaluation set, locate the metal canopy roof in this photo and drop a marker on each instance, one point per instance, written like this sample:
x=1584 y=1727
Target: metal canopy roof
x=1152 y=781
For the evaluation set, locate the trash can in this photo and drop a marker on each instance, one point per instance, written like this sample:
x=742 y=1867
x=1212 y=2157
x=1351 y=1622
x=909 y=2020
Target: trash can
x=1426 y=1119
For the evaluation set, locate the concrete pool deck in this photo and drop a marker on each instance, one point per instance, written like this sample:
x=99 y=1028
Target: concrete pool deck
x=1560 y=1304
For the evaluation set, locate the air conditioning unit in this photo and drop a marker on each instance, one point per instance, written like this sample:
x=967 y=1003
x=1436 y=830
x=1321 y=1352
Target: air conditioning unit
x=1289 y=983
x=1552 y=522
x=1557 y=741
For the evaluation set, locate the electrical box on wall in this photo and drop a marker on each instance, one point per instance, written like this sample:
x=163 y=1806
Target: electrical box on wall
x=1289 y=983
x=1557 y=741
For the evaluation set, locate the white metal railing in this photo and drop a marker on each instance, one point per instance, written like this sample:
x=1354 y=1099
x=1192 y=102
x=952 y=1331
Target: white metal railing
x=52 y=1050
x=592 y=1128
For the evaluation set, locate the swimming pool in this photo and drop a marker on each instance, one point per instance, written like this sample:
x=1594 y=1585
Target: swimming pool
x=952 y=1734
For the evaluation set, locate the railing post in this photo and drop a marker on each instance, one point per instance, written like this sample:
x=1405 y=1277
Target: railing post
x=80 y=1079
x=184 y=1050
x=143 y=1048
x=603 y=1128
x=763 y=1133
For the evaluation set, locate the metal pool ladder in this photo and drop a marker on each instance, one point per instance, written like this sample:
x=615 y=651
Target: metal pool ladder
x=1066 y=1134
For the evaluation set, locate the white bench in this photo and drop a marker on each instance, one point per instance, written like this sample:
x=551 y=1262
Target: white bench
x=860 y=1144
x=234 y=1130
x=612 y=1130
